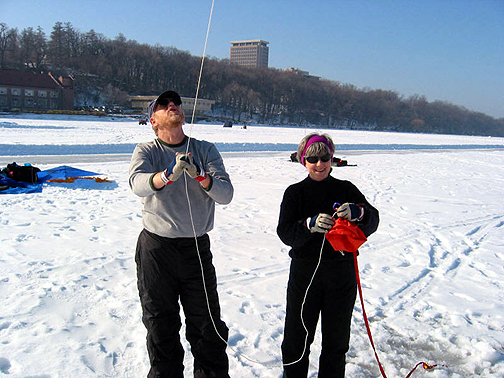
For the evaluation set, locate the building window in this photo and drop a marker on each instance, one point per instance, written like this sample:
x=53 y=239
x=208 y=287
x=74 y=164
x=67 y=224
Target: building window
x=3 y=101
x=29 y=103
x=42 y=93
x=54 y=104
x=3 y=91
x=29 y=92
x=15 y=91
x=42 y=103
x=15 y=102
x=54 y=94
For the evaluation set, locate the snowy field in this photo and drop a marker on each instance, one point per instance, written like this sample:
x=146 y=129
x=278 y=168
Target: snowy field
x=432 y=275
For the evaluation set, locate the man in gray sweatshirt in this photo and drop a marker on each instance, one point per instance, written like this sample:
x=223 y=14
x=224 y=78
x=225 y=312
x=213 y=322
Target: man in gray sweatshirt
x=179 y=186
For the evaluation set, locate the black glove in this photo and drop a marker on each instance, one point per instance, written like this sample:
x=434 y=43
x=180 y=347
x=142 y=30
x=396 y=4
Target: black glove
x=175 y=170
x=351 y=212
x=321 y=223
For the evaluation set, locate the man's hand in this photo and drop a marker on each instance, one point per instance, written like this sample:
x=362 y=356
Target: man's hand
x=321 y=223
x=193 y=169
x=175 y=170
x=350 y=212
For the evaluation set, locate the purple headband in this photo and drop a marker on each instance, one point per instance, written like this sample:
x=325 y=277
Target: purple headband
x=315 y=139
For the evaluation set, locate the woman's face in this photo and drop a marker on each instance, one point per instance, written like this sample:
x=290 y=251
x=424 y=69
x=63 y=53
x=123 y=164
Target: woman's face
x=318 y=167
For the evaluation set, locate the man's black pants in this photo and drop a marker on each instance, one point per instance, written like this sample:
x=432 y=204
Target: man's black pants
x=332 y=295
x=168 y=270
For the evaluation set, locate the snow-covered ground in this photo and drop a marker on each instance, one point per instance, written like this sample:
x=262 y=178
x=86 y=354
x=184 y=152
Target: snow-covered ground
x=432 y=275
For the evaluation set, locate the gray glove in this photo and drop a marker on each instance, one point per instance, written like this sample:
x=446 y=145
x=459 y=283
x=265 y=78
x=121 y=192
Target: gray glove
x=321 y=223
x=350 y=212
x=175 y=170
x=193 y=169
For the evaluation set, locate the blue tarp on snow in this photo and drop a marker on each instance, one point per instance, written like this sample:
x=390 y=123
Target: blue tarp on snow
x=63 y=172
x=59 y=173
x=15 y=187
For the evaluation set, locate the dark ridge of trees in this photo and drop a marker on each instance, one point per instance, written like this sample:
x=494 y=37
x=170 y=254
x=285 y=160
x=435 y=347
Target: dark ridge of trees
x=107 y=71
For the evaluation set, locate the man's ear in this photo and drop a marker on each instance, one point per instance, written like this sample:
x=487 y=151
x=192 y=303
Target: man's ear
x=154 y=125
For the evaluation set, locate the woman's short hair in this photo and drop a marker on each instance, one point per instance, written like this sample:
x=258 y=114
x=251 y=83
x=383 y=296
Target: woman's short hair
x=317 y=148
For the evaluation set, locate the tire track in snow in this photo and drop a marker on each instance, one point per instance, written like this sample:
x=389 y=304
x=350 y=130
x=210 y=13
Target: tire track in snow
x=441 y=260
x=240 y=275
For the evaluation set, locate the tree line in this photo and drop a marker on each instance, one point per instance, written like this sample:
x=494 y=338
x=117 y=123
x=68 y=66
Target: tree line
x=107 y=70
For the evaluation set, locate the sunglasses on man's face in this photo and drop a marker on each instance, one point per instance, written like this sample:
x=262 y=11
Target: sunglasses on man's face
x=315 y=159
x=165 y=101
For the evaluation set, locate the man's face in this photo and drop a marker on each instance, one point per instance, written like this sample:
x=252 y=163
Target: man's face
x=168 y=115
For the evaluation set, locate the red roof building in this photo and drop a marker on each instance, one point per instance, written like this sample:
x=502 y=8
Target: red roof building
x=27 y=91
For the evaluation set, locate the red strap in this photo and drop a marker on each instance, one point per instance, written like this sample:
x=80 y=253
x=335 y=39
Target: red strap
x=365 y=316
x=424 y=364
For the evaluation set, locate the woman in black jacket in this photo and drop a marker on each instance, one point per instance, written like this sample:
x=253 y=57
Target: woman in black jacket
x=322 y=280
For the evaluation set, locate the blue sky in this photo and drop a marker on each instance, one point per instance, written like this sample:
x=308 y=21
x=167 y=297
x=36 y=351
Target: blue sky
x=449 y=50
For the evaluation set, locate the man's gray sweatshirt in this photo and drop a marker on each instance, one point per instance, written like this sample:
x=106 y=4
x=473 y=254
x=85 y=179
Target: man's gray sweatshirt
x=166 y=211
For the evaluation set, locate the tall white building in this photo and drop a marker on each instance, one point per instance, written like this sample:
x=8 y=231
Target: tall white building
x=253 y=53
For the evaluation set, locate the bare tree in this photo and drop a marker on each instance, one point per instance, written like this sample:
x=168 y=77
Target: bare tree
x=105 y=70
x=8 y=41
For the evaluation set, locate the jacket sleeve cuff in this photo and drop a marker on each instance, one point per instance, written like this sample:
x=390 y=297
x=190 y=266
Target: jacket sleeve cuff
x=151 y=183
x=210 y=185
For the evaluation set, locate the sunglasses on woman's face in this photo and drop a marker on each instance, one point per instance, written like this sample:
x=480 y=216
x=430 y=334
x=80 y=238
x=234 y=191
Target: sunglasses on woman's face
x=315 y=159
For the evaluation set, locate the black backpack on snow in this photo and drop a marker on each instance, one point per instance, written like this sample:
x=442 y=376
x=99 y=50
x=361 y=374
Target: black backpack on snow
x=26 y=173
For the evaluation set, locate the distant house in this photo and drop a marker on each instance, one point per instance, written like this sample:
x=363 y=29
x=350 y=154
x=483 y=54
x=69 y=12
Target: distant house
x=299 y=72
x=26 y=91
x=140 y=104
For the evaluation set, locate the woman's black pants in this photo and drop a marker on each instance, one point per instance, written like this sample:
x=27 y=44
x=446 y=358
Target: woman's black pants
x=332 y=295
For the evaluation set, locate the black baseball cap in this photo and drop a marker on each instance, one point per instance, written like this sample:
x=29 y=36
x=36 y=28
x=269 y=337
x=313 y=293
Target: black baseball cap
x=164 y=99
